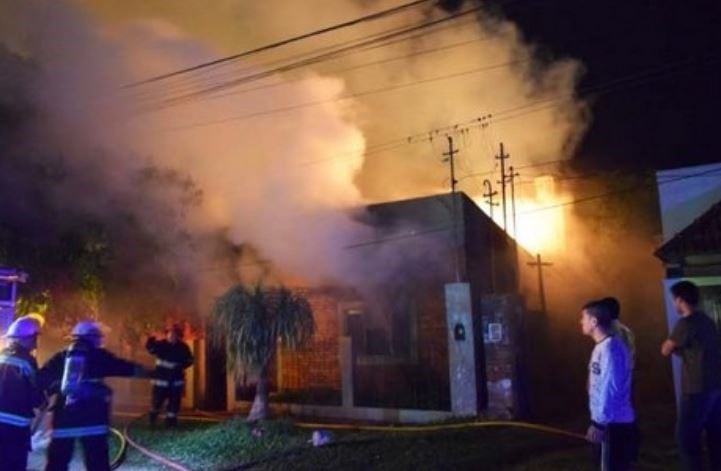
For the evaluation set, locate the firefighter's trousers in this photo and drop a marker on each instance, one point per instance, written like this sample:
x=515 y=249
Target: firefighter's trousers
x=173 y=396
x=95 y=449
x=14 y=447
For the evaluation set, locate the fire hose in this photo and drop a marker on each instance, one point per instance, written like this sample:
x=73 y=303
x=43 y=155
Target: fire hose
x=120 y=455
x=210 y=417
x=147 y=452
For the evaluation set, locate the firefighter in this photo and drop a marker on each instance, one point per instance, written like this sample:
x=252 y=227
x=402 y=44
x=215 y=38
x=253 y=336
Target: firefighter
x=173 y=357
x=82 y=408
x=19 y=394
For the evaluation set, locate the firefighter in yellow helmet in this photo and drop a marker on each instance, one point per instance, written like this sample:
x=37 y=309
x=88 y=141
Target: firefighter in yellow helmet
x=83 y=410
x=19 y=394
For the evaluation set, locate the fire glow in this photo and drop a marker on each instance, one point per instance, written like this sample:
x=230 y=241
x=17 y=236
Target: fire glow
x=540 y=218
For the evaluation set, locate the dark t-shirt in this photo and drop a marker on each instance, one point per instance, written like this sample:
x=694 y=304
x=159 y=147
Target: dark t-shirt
x=699 y=346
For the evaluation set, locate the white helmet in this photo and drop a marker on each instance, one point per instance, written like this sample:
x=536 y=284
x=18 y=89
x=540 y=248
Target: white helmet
x=25 y=326
x=87 y=329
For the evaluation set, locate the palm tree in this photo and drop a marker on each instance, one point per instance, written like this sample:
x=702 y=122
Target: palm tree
x=251 y=321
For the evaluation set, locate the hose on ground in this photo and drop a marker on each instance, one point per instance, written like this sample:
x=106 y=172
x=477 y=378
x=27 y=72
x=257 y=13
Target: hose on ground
x=150 y=454
x=431 y=428
x=209 y=417
x=120 y=455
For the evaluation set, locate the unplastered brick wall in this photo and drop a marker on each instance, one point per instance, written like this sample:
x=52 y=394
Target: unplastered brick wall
x=433 y=338
x=317 y=366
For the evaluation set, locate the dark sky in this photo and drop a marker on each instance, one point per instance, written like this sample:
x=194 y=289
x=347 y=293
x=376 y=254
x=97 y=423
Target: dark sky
x=666 y=112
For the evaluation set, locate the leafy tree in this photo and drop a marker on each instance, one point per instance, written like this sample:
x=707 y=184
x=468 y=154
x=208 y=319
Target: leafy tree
x=250 y=321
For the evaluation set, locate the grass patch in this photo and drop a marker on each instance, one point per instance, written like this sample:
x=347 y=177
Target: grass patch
x=282 y=446
x=217 y=446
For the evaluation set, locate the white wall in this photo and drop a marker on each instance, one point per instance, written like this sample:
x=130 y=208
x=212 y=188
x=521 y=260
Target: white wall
x=685 y=194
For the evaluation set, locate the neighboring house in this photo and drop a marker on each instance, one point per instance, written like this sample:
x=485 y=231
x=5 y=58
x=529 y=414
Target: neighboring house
x=690 y=202
x=389 y=343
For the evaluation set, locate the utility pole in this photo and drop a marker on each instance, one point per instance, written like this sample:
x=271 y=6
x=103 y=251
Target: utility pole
x=512 y=181
x=489 y=194
x=504 y=179
x=450 y=157
x=539 y=264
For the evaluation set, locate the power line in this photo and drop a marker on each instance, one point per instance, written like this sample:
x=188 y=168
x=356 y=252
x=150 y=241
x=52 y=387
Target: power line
x=306 y=62
x=373 y=41
x=355 y=67
x=346 y=97
x=545 y=208
x=504 y=115
x=268 y=47
x=624 y=190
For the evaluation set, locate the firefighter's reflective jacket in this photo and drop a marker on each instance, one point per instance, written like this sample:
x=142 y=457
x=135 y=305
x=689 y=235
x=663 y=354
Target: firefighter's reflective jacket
x=18 y=387
x=83 y=409
x=171 y=361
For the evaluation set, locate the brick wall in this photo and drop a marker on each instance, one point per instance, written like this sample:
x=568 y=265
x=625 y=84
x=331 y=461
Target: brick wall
x=317 y=366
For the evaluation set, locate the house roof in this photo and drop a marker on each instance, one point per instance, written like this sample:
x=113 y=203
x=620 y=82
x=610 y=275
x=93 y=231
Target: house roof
x=701 y=237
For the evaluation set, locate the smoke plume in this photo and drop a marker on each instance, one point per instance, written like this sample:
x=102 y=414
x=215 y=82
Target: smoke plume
x=235 y=167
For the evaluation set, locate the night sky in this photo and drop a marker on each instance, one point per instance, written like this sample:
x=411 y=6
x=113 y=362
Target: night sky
x=667 y=114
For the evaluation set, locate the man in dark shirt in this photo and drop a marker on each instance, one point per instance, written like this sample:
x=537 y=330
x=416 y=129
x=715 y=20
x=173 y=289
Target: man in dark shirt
x=696 y=340
x=173 y=356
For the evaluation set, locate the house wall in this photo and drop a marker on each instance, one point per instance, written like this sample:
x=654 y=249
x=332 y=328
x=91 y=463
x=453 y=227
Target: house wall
x=317 y=367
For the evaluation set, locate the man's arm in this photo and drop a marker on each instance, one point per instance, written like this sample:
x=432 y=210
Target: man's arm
x=152 y=345
x=668 y=347
x=676 y=340
x=115 y=366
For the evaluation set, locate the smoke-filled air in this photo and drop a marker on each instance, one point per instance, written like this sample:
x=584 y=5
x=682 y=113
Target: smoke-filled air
x=272 y=169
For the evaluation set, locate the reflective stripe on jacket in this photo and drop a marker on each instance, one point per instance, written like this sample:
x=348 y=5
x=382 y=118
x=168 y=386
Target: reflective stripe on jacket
x=161 y=383
x=13 y=419
x=77 y=432
x=19 y=393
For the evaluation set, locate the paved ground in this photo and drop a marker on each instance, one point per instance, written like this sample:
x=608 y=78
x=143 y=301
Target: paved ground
x=134 y=461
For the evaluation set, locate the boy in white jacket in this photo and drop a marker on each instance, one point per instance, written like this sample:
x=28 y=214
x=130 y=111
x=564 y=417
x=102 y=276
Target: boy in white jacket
x=613 y=420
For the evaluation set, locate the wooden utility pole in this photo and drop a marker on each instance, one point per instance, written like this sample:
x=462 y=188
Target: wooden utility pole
x=539 y=264
x=512 y=180
x=502 y=156
x=450 y=157
x=489 y=195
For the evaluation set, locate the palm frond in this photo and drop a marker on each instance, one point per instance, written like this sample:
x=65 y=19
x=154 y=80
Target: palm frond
x=250 y=321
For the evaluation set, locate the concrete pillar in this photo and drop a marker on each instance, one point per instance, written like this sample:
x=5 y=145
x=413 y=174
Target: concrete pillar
x=345 y=351
x=461 y=350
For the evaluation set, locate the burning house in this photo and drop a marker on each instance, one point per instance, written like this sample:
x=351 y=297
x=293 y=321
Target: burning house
x=434 y=328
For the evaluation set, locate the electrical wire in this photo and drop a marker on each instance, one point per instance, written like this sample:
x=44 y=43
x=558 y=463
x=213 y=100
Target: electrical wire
x=373 y=41
x=275 y=45
x=629 y=189
x=310 y=61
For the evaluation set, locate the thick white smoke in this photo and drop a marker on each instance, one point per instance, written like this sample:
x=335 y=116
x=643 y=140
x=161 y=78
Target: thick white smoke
x=282 y=182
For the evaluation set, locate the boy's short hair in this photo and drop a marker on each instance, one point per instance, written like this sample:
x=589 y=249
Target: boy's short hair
x=687 y=291
x=613 y=306
x=600 y=311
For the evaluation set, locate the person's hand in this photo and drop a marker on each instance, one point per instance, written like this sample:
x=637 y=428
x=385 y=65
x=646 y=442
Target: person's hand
x=595 y=434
